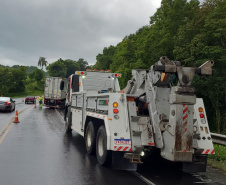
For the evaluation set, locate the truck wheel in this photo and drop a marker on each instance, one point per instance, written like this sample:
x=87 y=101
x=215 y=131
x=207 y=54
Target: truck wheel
x=68 y=122
x=103 y=155
x=90 y=138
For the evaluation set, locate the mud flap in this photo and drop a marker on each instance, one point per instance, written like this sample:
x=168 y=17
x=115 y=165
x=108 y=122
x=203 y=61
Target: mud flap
x=199 y=165
x=120 y=163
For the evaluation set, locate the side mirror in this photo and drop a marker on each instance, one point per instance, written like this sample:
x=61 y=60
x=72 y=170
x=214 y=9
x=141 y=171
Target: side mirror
x=62 y=85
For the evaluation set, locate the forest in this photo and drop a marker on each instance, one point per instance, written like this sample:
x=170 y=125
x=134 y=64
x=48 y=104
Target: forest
x=187 y=31
x=182 y=30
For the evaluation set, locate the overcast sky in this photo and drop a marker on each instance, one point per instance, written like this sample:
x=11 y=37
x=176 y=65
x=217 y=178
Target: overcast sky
x=69 y=29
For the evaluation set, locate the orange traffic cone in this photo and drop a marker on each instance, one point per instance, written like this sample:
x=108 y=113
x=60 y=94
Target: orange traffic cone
x=35 y=105
x=16 y=120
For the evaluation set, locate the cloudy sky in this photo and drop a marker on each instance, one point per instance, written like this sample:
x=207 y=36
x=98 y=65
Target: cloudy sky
x=69 y=29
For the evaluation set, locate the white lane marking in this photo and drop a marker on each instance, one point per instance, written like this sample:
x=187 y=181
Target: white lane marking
x=143 y=178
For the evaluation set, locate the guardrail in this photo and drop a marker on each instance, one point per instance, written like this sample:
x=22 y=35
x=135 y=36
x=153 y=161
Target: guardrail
x=219 y=139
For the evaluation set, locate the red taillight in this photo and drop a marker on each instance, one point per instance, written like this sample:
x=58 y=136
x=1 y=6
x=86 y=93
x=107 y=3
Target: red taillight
x=58 y=101
x=7 y=103
x=115 y=111
x=116 y=75
x=82 y=73
x=201 y=115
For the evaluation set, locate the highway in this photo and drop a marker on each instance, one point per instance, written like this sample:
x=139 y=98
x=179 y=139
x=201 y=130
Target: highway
x=37 y=151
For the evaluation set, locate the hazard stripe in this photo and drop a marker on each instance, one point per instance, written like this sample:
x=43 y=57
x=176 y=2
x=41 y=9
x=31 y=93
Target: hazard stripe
x=213 y=152
x=185 y=110
x=119 y=148
x=207 y=151
x=125 y=148
x=185 y=117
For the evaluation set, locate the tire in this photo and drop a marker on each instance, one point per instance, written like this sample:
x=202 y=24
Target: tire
x=103 y=155
x=68 y=122
x=90 y=138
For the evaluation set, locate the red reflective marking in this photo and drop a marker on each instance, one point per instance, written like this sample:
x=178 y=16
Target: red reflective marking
x=130 y=149
x=202 y=152
x=184 y=150
x=125 y=148
x=183 y=105
x=103 y=116
x=185 y=130
x=207 y=151
x=185 y=117
x=107 y=102
x=119 y=148
x=185 y=123
x=185 y=110
x=152 y=144
x=97 y=115
x=115 y=147
x=212 y=152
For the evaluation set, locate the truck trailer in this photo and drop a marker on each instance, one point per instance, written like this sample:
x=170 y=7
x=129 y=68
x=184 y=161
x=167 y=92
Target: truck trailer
x=53 y=95
x=158 y=109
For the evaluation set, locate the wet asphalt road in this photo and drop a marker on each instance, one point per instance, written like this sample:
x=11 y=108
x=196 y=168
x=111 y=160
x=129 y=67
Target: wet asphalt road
x=36 y=151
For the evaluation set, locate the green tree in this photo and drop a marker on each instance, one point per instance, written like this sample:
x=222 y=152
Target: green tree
x=42 y=62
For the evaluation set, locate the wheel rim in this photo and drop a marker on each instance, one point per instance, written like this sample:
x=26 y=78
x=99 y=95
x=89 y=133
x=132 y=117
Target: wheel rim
x=89 y=137
x=100 y=145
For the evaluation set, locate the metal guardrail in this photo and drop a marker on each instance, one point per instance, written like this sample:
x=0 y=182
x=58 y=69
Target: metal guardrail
x=219 y=139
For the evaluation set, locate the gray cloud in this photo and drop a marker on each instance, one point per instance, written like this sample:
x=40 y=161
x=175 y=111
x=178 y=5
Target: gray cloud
x=67 y=29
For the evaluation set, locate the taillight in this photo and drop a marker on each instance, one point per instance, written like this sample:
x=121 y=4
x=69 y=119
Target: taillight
x=201 y=115
x=115 y=111
x=58 y=101
x=7 y=103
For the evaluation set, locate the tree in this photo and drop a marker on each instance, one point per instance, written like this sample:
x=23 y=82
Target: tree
x=42 y=62
x=82 y=64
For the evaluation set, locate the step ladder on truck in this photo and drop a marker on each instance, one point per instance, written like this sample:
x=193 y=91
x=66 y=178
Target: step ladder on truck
x=157 y=110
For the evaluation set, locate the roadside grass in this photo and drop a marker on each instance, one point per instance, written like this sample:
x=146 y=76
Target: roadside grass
x=218 y=160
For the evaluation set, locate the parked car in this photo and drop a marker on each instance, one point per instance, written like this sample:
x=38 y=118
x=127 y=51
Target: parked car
x=7 y=104
x=29 y=99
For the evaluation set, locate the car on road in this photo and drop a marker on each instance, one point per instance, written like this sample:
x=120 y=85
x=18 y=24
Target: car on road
x=29 y=99
x=7 y=104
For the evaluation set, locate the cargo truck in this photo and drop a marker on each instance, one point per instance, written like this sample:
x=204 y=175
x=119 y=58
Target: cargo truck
x=158 y=109
x=53 y=95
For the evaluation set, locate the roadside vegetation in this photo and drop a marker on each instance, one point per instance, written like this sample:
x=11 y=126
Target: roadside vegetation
x=182 y=30
x=219 y=159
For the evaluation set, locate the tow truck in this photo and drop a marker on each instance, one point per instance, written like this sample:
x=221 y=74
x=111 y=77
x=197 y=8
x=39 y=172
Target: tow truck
x=158 y=109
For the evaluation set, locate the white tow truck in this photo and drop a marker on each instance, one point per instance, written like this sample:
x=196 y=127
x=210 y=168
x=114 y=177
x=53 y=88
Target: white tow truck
x=54 y=95
x=157 y=110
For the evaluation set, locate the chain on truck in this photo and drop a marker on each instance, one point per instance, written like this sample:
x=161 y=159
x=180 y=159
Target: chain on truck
x=157 y=110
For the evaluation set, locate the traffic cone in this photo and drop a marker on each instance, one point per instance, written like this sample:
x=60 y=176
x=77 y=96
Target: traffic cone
x=35 y=105
x=16 y=120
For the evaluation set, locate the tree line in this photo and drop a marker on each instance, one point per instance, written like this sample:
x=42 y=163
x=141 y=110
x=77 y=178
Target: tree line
x=29 y=80
x=182 y=30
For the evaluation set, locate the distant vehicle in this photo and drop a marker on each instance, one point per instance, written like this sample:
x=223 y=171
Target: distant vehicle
x=29 y=99
x=53 y=95
x=7 y=104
